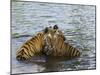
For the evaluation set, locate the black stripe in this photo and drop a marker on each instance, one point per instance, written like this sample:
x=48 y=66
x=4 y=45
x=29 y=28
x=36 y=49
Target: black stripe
x=74 y=51
x=70 y=50
x=33 y=40
x=25 y=52
x=27 y=48
x=36 y=38
x=24 y=46
x=33 y=50
x=78 y=53
x=33 y=46
x=66 y=48
x=30 y=42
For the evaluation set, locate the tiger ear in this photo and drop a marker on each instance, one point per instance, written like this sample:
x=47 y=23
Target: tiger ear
x=46 y=30
x=55 y=27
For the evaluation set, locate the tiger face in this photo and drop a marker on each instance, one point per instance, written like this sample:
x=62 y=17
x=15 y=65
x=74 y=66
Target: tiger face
x=52 y=36
x=52 y=33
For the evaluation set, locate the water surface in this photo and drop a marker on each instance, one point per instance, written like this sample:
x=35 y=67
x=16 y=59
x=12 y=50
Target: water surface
x=77 y=23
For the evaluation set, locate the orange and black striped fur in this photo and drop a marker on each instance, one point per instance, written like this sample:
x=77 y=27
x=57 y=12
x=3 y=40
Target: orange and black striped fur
x=49 y=42
x=56 y=45
x=33 y=47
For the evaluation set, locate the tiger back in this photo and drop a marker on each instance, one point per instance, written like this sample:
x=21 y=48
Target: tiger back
x=61 y=48
x=31 y=47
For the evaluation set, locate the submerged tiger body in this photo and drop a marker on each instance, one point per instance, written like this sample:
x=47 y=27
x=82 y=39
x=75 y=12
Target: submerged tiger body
x=56 y=46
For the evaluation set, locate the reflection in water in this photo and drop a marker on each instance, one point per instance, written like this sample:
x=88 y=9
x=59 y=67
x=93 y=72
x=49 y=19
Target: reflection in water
x=76 y=21
x=55 y=64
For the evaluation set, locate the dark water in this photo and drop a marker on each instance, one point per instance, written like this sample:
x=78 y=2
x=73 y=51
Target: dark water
x=77 y=23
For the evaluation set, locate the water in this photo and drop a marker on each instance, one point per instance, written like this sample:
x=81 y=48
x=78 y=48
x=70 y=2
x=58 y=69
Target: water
x=77 y=23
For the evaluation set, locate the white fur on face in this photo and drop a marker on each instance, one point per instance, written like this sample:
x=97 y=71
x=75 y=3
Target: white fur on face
x=55 y=36
x=49 y=35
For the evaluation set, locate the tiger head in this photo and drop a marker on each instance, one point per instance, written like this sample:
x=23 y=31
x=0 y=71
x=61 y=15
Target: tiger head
x=52 y=34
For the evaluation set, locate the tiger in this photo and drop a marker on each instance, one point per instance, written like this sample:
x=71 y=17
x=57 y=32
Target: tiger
x=41 y=44
x=34 y=46
x=56 y=45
